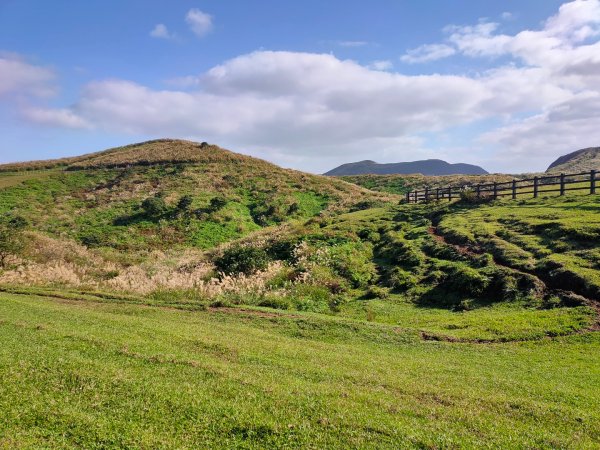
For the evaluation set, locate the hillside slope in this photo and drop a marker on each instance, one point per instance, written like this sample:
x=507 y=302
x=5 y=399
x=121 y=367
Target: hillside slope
x=197 y=195
x=579 y=161
x=425 y=167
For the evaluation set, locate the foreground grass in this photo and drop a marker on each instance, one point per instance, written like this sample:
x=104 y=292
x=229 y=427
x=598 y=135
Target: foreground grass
x=97 y=375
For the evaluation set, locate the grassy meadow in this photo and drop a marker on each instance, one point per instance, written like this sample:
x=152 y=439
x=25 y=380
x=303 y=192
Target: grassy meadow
x=171 y=294
x=105 y=375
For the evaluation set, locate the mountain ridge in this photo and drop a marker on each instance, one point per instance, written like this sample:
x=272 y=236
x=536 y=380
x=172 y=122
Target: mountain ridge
x=425 y=167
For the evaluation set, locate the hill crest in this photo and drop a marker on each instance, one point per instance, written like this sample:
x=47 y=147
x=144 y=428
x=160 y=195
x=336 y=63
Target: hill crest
x=153 y=152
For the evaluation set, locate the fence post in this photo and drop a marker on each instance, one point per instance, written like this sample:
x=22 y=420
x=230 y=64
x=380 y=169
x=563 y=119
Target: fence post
x=408 y=197
x=437 y=194
x=495 y=190
x=535 y=187
x=562 y=184
x=514 y=189
x=478 y=190
x=427 y=194
x=450 y=193
x=593 y=182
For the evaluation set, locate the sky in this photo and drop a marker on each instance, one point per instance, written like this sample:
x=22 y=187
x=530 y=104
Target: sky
x=309 y=84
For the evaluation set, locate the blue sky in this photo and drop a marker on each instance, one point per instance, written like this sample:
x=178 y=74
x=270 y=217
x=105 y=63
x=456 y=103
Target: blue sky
x=308 y=85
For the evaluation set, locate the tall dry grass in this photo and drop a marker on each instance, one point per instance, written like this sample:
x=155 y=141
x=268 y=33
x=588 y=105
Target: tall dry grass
x=62 y=263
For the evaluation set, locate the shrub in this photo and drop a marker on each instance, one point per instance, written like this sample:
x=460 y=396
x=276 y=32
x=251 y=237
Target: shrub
x=154 y=207
x=11 y=242
x=400 y=251
x=401 y=280
x=238 y=259
x=377 y=292
x=275 y=302
x=216 y=204
x=368 y=234
x=470 y=196
x=365 y=204
x=283 y=250
x=310 y=297
x=466 y=281
x=353 y=261
x=185 y=204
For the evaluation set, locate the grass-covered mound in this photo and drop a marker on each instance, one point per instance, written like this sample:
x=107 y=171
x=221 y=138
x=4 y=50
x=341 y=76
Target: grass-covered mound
x=164 y=194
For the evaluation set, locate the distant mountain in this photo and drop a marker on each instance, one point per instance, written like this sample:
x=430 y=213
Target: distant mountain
x=578 y=161
x=425 y=167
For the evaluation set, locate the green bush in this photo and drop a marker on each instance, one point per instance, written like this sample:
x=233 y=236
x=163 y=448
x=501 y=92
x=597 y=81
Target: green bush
x=154 y=207
x=401 y=280
x=282 y=250
x=310 y=297
x=377 y=292
x=275 y=302
x=216 y=204
x=400 y=251
x=184 y=205
x=238 y=259
x=353 y=261
x=11 y=239
x=465 y=280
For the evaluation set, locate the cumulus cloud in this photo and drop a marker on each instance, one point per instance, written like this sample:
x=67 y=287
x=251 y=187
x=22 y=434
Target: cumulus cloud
x=18 y=77
x=65 y=118
x=302 y=106
x=428 y=52
x=199 y=22
x=161 y=31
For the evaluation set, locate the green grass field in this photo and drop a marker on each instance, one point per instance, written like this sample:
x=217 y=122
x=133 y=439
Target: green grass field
x=81 y=374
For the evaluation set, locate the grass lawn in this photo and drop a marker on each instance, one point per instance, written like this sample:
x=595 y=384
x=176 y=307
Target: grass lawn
x=89 y=374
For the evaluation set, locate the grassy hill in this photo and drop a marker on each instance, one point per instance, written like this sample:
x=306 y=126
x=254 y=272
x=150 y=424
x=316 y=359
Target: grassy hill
x=96 y=200
x=579 y=161
x=175 y=294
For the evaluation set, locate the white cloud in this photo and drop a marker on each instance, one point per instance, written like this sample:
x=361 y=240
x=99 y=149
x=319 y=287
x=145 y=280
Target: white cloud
x=65 y=118
x=199 y=22
x=428 y=52
x=383 y=64
x=161 y=31
x=538 y=140
x=18 y=77
x=285 y=103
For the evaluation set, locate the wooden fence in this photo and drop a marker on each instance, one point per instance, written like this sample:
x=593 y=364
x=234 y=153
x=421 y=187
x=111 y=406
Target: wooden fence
x=535 y=186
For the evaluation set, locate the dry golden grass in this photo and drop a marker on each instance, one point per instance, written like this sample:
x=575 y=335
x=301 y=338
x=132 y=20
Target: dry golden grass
x=64 y=263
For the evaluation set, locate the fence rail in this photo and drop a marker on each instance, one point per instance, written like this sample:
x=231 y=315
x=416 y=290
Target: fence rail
x=535 y=186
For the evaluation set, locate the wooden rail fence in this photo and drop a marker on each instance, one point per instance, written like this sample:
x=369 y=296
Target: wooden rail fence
x=535 y=186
